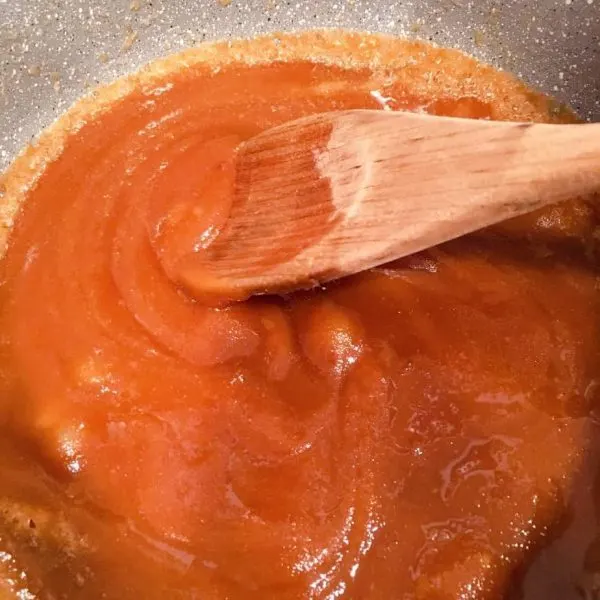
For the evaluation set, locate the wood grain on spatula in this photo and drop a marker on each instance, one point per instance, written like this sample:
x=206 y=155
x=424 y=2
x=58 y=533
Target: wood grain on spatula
x=336 y=193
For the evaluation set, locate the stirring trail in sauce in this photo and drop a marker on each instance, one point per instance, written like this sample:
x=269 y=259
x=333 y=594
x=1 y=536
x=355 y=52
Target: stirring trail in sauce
x=422 y=431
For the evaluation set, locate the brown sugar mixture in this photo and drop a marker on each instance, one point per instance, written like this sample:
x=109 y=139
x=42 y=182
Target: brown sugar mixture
x=421 y=431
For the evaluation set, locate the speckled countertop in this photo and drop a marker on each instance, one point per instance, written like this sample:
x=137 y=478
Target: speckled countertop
x=53 y=51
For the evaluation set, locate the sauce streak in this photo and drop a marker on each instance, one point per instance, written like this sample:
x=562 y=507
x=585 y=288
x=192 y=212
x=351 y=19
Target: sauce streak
x=419 y=431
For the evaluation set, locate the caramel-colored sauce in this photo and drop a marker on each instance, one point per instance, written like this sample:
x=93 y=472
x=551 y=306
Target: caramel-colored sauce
x=420 y=431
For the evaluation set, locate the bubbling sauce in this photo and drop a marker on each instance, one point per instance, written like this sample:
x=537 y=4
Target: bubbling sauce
x=420 y=431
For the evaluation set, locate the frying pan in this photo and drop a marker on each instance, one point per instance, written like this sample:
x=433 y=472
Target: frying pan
x=53 y=51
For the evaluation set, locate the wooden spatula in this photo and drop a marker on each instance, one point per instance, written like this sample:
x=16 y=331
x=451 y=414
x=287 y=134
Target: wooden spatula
x=336 y=193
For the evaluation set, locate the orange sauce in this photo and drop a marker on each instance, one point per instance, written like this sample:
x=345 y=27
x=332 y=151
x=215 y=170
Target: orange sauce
x=414 y=432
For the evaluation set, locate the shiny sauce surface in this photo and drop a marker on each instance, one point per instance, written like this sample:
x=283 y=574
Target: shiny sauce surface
x=423 y=431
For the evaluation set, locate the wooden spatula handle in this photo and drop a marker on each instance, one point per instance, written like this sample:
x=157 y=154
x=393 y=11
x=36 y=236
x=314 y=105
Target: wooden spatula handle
x=486 y=172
